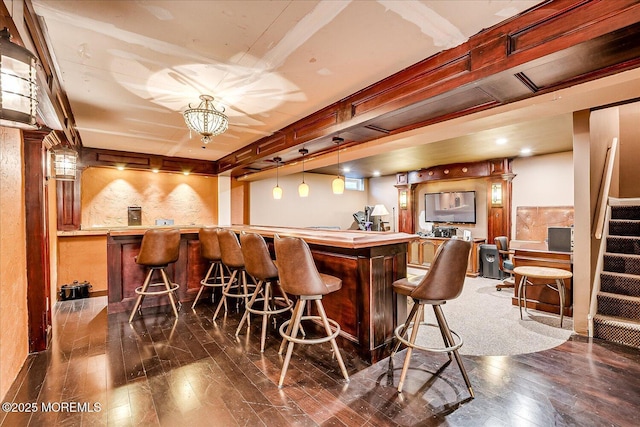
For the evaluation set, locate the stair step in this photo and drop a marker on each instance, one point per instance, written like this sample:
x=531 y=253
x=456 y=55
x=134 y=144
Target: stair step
x=619 y=305
x=625 y=212
x=617 y=330
x=620 y=283
x=621 y=263
x=623 y=244
x=624 y=227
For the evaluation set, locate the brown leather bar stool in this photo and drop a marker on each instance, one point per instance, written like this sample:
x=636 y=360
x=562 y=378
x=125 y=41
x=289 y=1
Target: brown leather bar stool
x=233 y=260
x=210 y=250
x=159 y=249
x=261 y=267
x=299 y=276
x=443 y=282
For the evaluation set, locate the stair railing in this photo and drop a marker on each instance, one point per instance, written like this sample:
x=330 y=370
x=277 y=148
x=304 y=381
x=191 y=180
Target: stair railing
x=603 y=215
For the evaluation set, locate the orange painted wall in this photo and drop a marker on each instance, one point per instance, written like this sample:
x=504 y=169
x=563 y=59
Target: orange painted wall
x=83 y=258
x=14 y=338
x=107 y=193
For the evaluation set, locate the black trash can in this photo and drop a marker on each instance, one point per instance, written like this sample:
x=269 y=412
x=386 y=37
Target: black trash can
x=489 y=262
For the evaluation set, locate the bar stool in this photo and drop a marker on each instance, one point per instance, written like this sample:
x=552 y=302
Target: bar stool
x=556 y=275
x=443 y=282
x=210 y=250
x=233 y=260
x=299 y=276
x=261 y=267
x=159 y=248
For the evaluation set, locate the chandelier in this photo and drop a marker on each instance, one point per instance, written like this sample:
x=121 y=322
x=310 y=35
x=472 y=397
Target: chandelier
x=206 y=119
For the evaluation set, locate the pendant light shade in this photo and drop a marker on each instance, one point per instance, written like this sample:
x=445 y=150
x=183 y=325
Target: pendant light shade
x=277 y=191
x=206 y=119
x=19 y=89
x=303 y=188
x=65 y=164
x=337 y=185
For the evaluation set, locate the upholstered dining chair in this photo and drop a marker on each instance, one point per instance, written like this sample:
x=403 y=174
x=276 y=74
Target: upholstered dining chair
x=505 y=262
x=443 y=282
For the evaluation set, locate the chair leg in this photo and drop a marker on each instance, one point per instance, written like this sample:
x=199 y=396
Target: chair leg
x=412 y=340
x=206 y=277
x=447 y=332
x=445 y=338
x=223 y=300
x=334 y=344
x=140 y=298
x=265 y=315
x=167 y=284
x=407 y=323
x=294 y=314
x=294 y=331
x=560 y=284
x=246 y=312
x=520 y=286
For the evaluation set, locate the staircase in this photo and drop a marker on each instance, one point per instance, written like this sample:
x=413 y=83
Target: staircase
x=618 y=313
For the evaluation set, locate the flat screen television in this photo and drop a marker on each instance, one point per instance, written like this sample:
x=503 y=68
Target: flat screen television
x=451 y=206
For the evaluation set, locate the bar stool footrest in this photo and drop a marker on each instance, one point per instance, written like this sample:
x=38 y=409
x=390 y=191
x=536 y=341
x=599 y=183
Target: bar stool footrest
x=310 y=340
x=234 y=295
x=165 y=291
x=404 y=341
x=284 y=308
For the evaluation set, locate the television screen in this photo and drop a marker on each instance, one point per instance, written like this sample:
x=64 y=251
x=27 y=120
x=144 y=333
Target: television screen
x=452 y=206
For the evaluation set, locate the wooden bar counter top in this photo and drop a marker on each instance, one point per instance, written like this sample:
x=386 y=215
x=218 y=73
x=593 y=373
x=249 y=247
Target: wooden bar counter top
x=368 y=263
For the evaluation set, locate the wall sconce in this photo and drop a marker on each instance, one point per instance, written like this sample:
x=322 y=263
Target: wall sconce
x=337 y=185
x=496 y=194
x=403 y=199
x=65 y=164
x=18 y=83
x=303 y=188
x=277 y=191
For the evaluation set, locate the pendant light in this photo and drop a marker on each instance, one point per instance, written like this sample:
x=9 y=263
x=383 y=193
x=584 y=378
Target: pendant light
x=303 y=188
x=277 y=191
x=337 y=185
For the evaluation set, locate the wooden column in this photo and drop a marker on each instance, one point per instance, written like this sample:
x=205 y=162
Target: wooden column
x=406 y=204
x=38 y=261
x=499 y=210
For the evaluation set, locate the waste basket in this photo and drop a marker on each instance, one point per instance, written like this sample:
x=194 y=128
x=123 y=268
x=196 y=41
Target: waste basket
x=489 y=262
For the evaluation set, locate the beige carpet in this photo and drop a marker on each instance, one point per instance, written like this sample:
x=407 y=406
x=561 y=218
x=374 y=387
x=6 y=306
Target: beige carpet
x=490 y=325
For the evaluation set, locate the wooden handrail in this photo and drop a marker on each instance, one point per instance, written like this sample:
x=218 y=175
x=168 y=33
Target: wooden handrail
x=605 y=186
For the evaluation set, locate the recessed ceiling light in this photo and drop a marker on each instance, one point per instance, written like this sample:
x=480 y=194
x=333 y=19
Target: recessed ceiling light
x=501 y=141
x=346 y=170
x=155 y=170
x=376 y=173
x=186 y=173
x=525 y=151
x=120 y=168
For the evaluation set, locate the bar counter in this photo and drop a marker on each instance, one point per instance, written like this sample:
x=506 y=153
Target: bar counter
x=368 y=263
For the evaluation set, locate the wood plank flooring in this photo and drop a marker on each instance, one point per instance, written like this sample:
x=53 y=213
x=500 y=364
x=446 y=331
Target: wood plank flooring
x=193 y=372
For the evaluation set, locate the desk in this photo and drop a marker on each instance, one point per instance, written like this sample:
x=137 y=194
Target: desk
x=541 y=297
x=422 y=250
x=545 y=274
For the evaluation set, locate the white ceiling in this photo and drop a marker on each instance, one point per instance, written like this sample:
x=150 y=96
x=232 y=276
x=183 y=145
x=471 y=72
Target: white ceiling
x=130 y=68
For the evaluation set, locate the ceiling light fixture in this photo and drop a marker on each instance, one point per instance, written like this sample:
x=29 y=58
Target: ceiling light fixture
x=277 y=191
x=303 y=188
x=18 y=84
x=206 y=119
x=337 y=185
x=65 y=164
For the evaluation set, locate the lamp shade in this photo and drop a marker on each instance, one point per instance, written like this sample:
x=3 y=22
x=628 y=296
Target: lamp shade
x=18 y=85
x=379 y=210
x=337 y=185
x=65 y=164
x=277 y=192
x=206 y=119
x=303 y=189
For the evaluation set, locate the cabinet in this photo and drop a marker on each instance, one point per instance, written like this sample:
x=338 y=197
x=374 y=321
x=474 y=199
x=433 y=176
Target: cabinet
x=422 y=250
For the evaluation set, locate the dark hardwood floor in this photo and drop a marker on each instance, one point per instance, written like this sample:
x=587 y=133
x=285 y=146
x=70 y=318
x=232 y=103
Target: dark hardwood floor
x=192 y=372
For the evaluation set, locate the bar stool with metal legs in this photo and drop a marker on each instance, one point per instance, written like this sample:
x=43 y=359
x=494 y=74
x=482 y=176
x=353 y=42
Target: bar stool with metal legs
x=210 y=250
x=299 y=276
x=261 y=267
x=159 y=249
x=443 y=282
x=233 y=260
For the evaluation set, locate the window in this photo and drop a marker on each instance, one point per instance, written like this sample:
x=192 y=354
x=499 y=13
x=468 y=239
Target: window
x=356 y=184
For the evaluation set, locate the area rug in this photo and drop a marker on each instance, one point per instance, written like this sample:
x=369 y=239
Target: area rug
x=490 y=325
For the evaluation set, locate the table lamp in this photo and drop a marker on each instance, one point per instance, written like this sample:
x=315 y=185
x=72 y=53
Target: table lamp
x=379 y=211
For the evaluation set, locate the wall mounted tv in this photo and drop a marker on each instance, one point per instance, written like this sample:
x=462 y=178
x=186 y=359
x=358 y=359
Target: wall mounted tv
x=453 y=206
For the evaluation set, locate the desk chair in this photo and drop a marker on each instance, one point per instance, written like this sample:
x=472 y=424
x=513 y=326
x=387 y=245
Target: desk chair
x=505 y=262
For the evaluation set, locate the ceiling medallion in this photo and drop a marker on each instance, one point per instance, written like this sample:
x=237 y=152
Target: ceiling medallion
x=206 y=119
